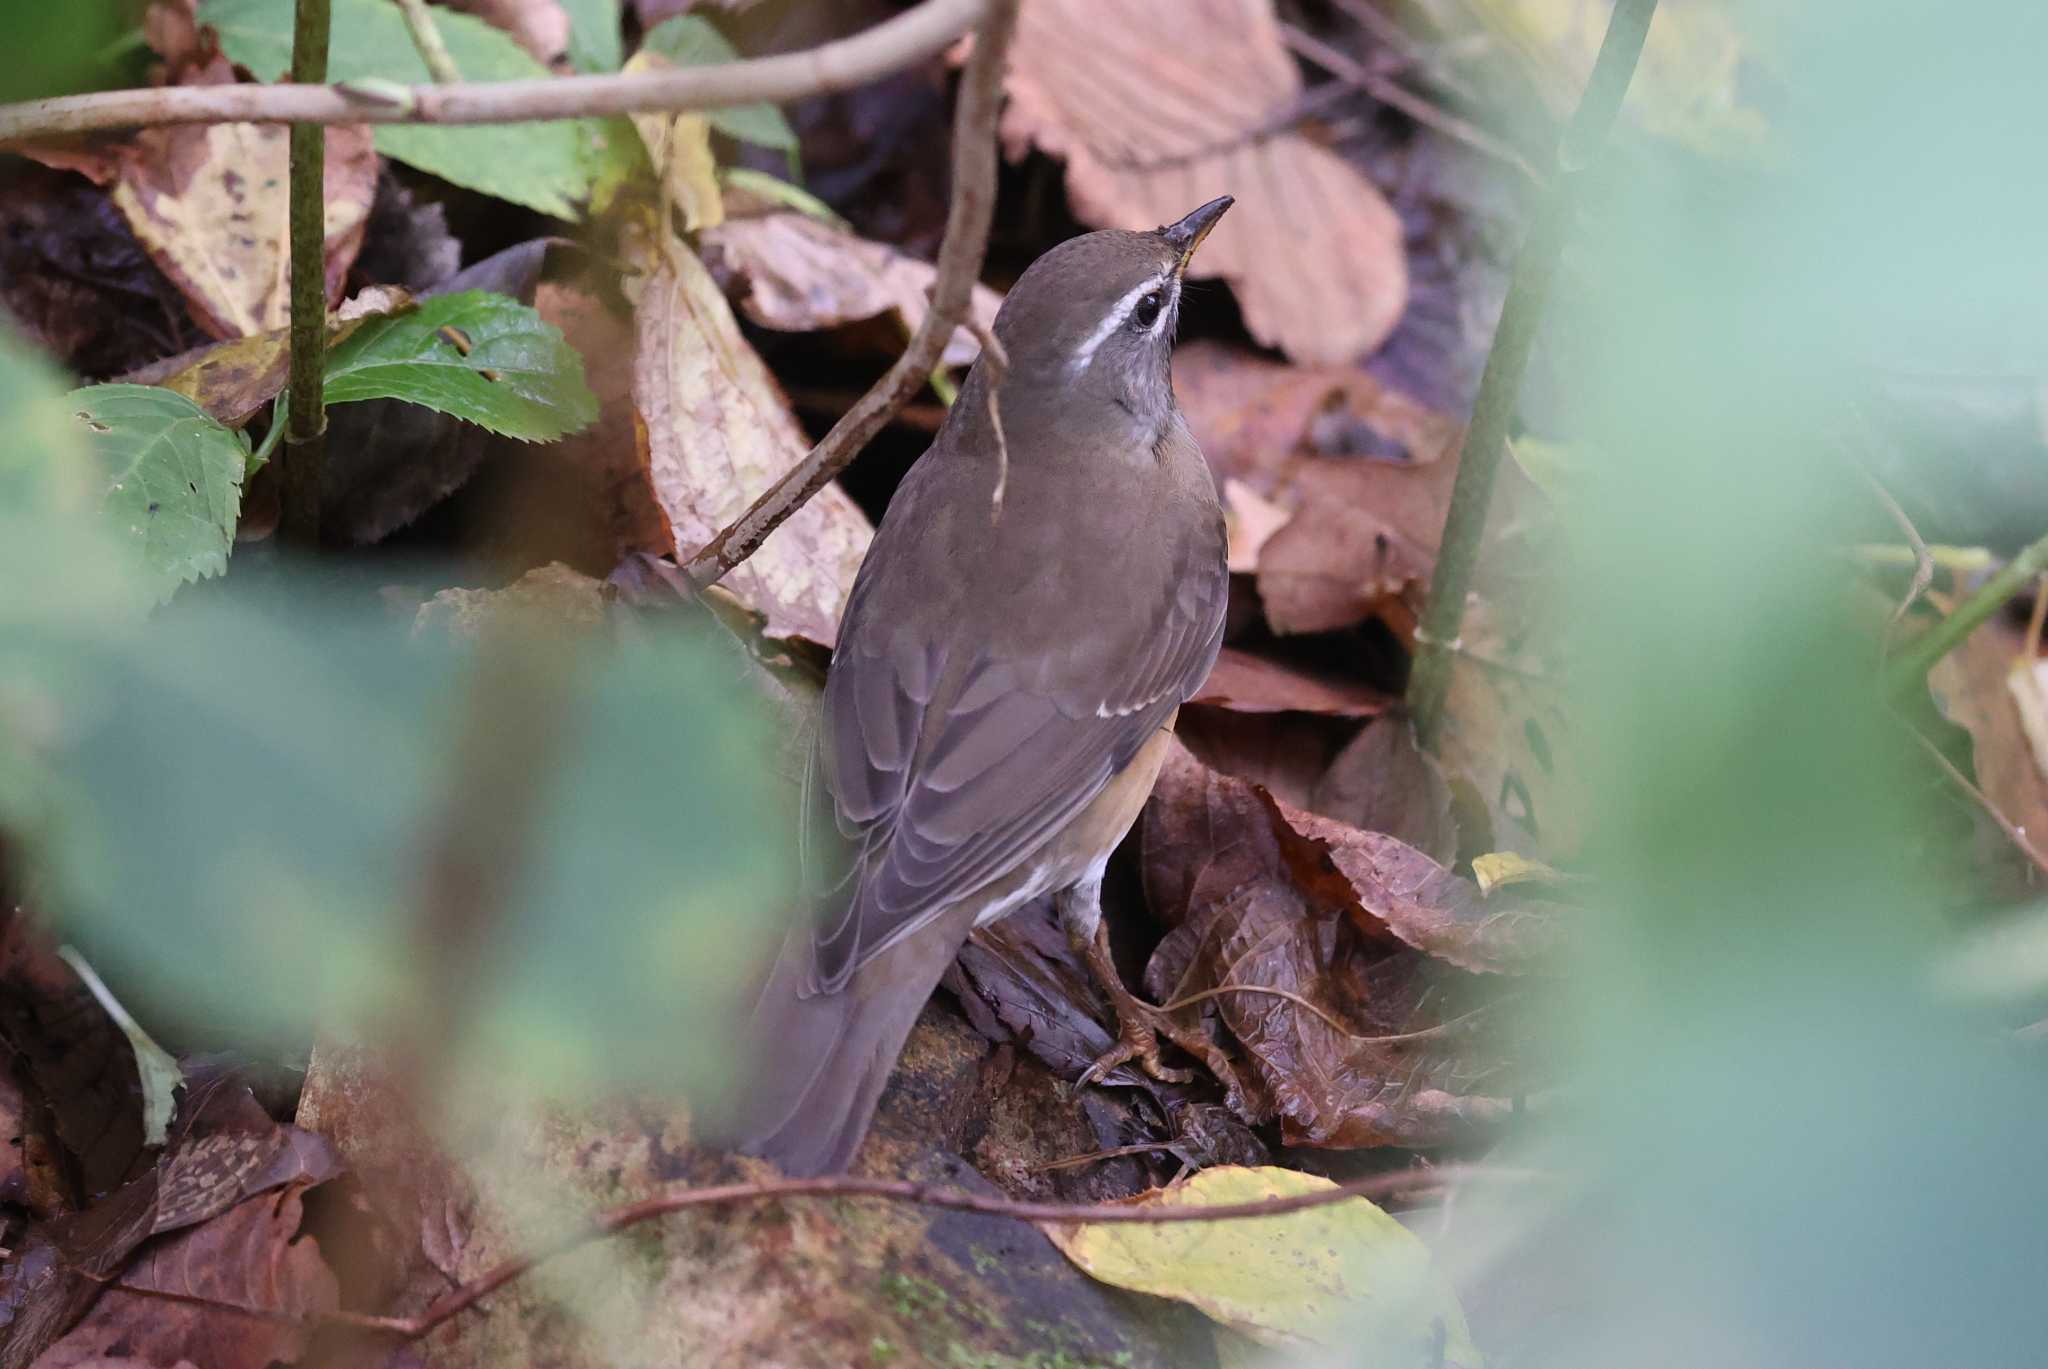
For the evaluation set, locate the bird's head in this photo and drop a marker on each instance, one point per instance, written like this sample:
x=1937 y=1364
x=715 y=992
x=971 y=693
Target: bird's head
x=1091 y=323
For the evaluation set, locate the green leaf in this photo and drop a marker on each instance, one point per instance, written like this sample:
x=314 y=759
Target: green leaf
x=690 y=41
x=518 y=377
x=174 y=479
x=595 y=42
x=547 y=166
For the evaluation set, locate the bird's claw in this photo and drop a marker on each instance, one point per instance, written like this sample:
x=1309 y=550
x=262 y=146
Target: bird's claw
x=1137 y=1039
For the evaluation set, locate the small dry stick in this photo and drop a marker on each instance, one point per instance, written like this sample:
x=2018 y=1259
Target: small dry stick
x=1923 y=565
x=960 y=258
x=888 y=47
x=998 y=363
x=1983 y=800
x=426 y=36
x=620 y=1218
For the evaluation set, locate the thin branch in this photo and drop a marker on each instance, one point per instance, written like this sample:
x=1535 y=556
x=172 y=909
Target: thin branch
x=1395 y=96
x=1443 y=620
x=1909 y=669
x=2013 y=832
x=1189 y=1000
x=305 y=444
x=1923 y=564
x=998 y=362
x=426 y=36
x=960 y=258
x=903 y=41
x=617 y=1219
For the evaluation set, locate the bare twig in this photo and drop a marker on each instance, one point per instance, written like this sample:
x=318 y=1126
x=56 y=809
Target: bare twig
x=960 y=258
x=1923 y=563
x=305 y=445
x=617 y=1219
x=1189 y=1000
x=426 y=36
x=890 y=46
x=1983 y=800
x=1909 y=669
x=998 y=362
x=1508 y=360
x=1395 y=96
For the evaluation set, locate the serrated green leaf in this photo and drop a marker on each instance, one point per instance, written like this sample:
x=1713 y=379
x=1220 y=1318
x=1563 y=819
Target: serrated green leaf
x=689 y=40
x=518 y=376
x=549 y=166
x=595 y=42
x=174 y=479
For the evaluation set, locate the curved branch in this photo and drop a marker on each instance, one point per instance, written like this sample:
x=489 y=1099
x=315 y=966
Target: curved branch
x=865 y=57
x=960 y=257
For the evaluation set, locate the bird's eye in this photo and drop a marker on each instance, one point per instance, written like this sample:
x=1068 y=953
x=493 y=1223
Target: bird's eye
x=1147 y=311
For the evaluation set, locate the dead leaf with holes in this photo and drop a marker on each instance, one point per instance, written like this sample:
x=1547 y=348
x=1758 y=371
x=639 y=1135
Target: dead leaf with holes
x=1158 y=106
x=209 y=204
x=799 y=274
x=718 y=433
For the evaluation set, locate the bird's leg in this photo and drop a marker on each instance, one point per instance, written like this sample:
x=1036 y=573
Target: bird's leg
x=1139 y=1024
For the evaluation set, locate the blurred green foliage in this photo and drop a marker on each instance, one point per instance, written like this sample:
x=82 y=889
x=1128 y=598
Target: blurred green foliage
x=235 y=804
x=58 y=49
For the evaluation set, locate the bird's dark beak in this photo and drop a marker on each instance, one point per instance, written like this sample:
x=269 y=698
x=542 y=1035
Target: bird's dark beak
x=1184 y=237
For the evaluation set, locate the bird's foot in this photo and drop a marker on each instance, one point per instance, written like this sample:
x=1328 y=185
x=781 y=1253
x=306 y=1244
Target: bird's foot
x=1140 y=1025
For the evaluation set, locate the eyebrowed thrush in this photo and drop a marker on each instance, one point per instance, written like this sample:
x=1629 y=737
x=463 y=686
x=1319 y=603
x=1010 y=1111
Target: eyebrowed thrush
x=1007 y=674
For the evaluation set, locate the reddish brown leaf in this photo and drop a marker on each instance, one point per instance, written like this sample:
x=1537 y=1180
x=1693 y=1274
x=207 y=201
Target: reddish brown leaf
x=1383 y=782
x=1390 y=888
x=1288 y=752
x=1149 y=129
x=1244 y=683
x=250 y=1256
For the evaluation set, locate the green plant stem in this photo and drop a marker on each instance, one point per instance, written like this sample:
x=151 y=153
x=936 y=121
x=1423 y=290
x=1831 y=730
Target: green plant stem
x=426 y=36
x=1507 y=362
x=306 y=430
x=1909 y=668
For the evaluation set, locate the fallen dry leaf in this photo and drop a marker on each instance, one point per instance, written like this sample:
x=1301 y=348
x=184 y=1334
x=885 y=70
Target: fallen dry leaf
x=1250 y=518
x=1390 y=888
x=1975 y=685
x=1383 y=782
x=719 y=433
x=799 y=274
x=209 y=204
x=1160 y=105
x=1344 y=1274
x=539 y=26
x=166 y=1308
x=1348 y=1039
x=1362 y=545
x=1244 y=683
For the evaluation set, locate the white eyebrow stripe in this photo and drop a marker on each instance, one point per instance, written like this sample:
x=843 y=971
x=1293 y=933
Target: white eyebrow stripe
x=1120 y=311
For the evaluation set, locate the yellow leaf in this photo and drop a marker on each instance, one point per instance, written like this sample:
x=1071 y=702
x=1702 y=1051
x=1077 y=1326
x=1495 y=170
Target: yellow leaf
x=1346 y=1274
x=1498 y=869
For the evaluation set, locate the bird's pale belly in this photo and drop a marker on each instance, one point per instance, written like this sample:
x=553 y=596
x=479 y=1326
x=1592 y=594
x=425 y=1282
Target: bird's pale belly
x=1081 y=848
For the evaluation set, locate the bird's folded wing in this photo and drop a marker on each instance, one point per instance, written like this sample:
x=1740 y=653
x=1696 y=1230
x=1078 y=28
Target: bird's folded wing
x=947 y=787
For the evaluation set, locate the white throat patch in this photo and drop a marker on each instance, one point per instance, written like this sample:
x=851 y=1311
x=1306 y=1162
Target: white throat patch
x=1118 y=313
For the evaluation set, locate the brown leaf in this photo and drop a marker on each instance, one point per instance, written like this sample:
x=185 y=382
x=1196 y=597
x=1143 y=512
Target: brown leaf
x=539 y=26
x=1362 y=544
x=719 y=433
x=223 y=1149
x=1349 y=1040
x=79 y=1064
x=209 y=203
x=1160 y=105
x=1384 y=782
x=1287 y=753
x=1389 y=887
x=1244 y=683
x=1980 y=686
x=1253 y=415
x=250 y=1256
x=1251 y=518
x=800 y=275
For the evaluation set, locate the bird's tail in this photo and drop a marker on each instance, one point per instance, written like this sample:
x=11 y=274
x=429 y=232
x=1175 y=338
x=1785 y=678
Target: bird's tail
x=816 y=1064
